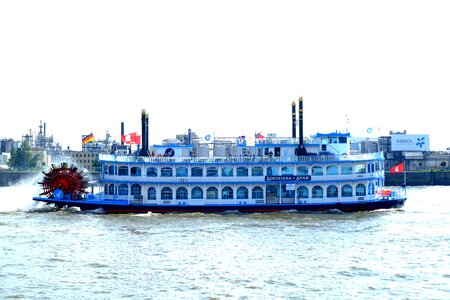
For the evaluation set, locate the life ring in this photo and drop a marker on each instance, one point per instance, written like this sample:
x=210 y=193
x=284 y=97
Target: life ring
x=344 y=155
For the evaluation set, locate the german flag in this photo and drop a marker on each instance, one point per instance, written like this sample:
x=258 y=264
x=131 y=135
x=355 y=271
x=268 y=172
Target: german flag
x=88 y=138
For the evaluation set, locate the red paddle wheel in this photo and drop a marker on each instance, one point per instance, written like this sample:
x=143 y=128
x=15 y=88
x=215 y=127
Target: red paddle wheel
x=66 y=179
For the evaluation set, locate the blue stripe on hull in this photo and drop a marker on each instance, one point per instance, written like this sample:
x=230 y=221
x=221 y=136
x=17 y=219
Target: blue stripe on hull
x=127 y=208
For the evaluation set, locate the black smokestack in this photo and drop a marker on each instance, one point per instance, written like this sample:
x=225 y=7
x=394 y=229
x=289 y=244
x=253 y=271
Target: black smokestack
x=144 y=122
x=294 y=117
x=301 y=150
x=122 y=132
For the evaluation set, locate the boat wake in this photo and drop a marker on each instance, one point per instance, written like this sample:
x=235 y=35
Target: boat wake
x=18 y=197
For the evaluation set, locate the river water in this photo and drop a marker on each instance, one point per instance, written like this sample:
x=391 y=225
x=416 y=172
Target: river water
x=389 y=254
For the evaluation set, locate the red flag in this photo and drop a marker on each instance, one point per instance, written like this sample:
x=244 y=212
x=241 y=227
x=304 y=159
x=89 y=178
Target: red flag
x=398 y=168
x=131 y=138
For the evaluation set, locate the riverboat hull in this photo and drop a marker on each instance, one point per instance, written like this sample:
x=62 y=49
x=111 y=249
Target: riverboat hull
x=123 y=207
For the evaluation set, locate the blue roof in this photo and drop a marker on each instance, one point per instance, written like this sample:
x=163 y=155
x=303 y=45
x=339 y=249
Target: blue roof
x=332 y=134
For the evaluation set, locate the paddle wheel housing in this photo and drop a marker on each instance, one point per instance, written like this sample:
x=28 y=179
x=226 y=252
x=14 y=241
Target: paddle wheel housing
x=66 y=179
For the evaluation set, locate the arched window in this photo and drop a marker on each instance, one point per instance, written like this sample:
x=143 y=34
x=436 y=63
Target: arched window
x=317 y=192
x=370 y=168
x=212 y=172
x=257 y=171
x=332 y=191
x=181 y=172
x=332 y=170
x=371 y=188
x=182 y=193
x=111 y=190
x=166 y=172
x=197 y=193
x=272 y=171
x=151 y=193
x=227 y=172
x=212 y=193
x=242 y=171
x=112 y=170
x=302 y=192
x=302 y=170
x=123 y=171
x=288 y=171
x=242 y=192
x=197 y=172
x=152 y=172
x=227 y=193
x=257 y=193
x=360 y=190
x=123 y=189
x=347 y=169
x=347 y=190
x=317 y=170
x=136 y=189
x=166 y=193
x=135 y=171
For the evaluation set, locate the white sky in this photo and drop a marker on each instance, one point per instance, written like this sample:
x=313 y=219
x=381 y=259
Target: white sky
x=224 y=67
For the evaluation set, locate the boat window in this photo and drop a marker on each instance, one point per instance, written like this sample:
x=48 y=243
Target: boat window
x=242 y=171
x=227 y=193
x=182 y=193
x=166 y=172
x=302 y=192
x=332 y=191
x=212 y=193
x=317 y=170
x=123 y=189
x=317 y=192
x=212 y=172
x=152 y=172
x=181 y=172
x=360 y=190
x=136 y=190
x=123 y=171
x=347 y=169
x=197 y=193
x=227 y=172
x=242 y=192
x=342 y=140
x=197 y=172
x=377 y=167
x=302 y=170
x=135 y=171
x=272 y=171
x=151 y=193
x=347 y=190
x=332 y=140
x=105 y=188
x=360 y=168
x=112 y=170
x=272 y=193
x=371 y=188
x=257 y=171
x=166 y=193
x=287 y=171
x=332 y=170
x=287 y=192
x=257 y=193
x=112 y=191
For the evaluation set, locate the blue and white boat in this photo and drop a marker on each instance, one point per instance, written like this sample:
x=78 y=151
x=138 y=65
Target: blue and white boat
x=273 y=174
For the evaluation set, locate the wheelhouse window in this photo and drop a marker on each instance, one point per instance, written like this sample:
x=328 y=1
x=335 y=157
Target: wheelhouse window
x=197 y=193
x=242 y=171
x=123 y=171
x=242 y=192
x=152 y=172
x=257 y=171
x=166 y=172
x=227 y=193
x=212 y=193
x=197 y=172
x=182 y=172
x=257 y=192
